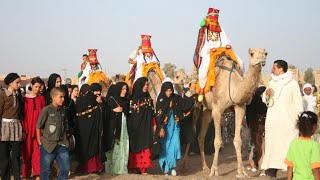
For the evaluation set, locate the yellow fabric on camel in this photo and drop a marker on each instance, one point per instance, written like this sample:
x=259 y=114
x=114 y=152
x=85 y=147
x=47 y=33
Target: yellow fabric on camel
x=211 y=77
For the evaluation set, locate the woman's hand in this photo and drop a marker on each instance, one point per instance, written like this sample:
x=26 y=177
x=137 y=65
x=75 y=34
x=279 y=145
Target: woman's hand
x=99 y=99
x=154 y=128
x=24 y=136
x=118 y=109
x=162 y=133
x=269 y=91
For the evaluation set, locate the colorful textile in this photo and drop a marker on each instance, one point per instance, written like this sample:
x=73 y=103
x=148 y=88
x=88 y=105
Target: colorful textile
x=211 y=76
x=152 y=65
x=97 y=76
x=170 y=146
x=141 y=159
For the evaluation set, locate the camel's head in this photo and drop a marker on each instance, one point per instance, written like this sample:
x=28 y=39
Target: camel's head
x=258 y=56
x=181 y=78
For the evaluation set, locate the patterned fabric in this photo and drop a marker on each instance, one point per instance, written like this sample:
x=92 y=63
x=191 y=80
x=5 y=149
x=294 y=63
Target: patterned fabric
x=228 y=127
x=170 y=146
x=117 y=158
x=214 y=55
x=140 y=159
x=200 y=42
x=11 y=131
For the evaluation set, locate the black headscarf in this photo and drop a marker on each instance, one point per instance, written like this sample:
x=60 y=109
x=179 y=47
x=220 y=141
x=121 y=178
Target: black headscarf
x=52 y=81
x=179 y=106
x=84 y=89
x=51 y=84
x=95 y=87
x=114 y=99
x=10 y=78
x=140 y=118
x=137 y=92
x=256 y=107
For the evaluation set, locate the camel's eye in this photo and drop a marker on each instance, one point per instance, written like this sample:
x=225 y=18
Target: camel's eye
x=266 y=53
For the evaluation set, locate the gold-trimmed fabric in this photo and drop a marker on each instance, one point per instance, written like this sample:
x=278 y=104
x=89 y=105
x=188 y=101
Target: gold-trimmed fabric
x=86 y=111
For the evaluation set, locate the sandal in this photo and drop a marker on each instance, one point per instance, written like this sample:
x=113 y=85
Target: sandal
x=262 y=175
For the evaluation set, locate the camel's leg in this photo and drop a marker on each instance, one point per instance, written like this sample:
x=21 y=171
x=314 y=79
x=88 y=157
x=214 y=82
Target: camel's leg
x=185 y=159
x=206 y=118
x=239 y=117
x=216 y=114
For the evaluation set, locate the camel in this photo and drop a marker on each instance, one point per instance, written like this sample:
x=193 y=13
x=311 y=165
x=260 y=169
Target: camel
x=231 y=90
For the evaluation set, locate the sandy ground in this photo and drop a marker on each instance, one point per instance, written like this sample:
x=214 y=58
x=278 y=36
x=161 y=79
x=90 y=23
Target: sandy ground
x=227 y=170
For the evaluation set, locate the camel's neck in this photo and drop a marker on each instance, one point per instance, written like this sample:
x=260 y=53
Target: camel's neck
x=251 y=81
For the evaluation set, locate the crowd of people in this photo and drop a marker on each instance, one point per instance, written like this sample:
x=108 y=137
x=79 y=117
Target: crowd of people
x=277 y=115
x=118 y=133
x=123 y=131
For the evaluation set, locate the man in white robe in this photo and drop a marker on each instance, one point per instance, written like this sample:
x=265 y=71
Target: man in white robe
x=284 y=101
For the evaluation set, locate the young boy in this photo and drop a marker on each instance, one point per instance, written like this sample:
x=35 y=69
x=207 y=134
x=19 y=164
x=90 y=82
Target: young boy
x=53 y=144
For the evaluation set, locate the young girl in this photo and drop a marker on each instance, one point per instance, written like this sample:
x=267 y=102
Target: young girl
x=304 y=154
x=74 y=93
x=309 y=100
x=33 y=103
x=117 y=147
x=170 y=109
x=53 y=81
x=11 y=112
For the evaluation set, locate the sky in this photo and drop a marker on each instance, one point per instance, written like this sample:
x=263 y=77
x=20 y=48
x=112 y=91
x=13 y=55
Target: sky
x=40 y=37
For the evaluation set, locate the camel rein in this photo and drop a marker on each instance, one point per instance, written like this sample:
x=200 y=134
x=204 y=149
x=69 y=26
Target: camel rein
x=230 y=70
x=152 y=85
x=227 y=69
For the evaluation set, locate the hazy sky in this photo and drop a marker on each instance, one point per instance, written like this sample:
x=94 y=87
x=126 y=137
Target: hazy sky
x=39 y=37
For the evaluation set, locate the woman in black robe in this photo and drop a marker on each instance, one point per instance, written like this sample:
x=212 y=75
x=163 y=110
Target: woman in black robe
x=117 y=140
x=170 y=110
x=88 y=127
x=140 y=127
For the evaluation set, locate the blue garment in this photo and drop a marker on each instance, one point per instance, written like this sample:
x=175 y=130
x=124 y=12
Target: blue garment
x=61 y=155
x=170 y=146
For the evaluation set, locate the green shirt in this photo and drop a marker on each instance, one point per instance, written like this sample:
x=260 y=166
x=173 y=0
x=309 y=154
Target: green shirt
x=52 y=121
x=303 y=156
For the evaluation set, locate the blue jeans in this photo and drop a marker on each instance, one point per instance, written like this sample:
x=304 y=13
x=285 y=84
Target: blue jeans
x=61 y=155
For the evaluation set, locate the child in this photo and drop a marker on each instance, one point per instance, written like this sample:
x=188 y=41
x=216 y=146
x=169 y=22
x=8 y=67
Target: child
x=33 y=103
x=304 y=154
x=170 y=109
x=52 y=123
x=11 y=112
x=309 y=100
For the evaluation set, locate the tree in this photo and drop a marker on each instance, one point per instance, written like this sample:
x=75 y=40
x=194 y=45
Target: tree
x=169 y=69
x=308 y=76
